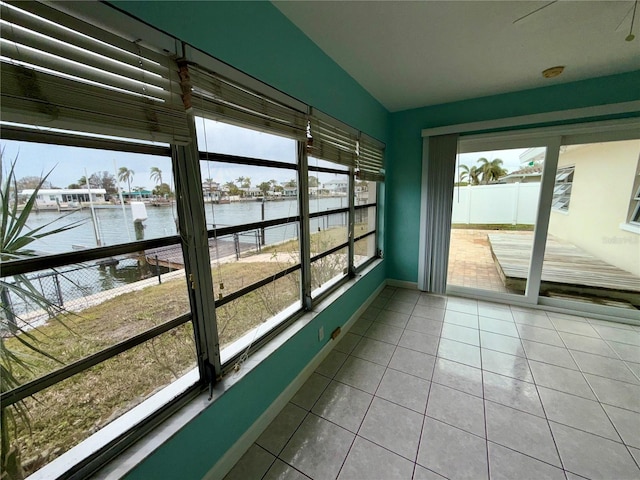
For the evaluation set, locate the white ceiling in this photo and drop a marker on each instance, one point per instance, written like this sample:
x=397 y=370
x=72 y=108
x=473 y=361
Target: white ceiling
x=413 y=54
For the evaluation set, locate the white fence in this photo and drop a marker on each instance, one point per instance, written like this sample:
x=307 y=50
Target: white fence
x=511 y=203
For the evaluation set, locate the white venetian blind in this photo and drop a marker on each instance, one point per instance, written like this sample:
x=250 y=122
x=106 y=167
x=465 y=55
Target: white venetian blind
x=331 y=140
x=62 y=72
x=218 y=98
x=370 y=159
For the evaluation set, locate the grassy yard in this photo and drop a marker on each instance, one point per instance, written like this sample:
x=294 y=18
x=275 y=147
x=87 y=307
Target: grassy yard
x=68 y=412
x=493 y=226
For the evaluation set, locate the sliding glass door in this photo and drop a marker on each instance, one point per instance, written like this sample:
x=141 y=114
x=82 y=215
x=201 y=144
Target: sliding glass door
x=550 y=216
x=495 y=205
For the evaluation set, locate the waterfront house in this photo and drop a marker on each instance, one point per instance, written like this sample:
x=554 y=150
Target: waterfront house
x=63 y=198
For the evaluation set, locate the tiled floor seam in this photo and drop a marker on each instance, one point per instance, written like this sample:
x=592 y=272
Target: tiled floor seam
x=415 y=463
x=544 y=411
x=600 y=403
x=484 y=410
x=373 y=396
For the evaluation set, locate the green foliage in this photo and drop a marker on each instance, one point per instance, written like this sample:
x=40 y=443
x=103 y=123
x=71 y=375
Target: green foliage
x=156 y=175
x=232 y=188
x=486 y=172
x=265 y=187
x=162 y=190
x=491 y=170
x=126 y=175
x=15 y=240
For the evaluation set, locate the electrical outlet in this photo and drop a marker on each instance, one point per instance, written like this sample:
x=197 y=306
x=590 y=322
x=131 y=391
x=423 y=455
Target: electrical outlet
x=321 y=334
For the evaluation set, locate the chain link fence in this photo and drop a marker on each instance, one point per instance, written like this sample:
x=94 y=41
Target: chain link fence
x=30 y=300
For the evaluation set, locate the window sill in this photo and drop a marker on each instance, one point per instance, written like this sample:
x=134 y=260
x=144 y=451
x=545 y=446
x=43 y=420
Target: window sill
x=124 y=463
x=630 y=227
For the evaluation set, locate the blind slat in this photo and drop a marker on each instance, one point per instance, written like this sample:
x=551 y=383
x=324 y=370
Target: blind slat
x=98 y=48
x=42 y=99
x=61 y=72
x=217 y=98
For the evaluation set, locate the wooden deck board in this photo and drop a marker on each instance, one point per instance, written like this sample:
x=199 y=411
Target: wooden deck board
x=564 y=263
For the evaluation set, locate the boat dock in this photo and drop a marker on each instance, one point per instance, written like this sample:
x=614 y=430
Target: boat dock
x=171 y=256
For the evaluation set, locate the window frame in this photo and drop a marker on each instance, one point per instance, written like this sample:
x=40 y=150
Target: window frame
x=562 y=188
x=633 y=218
x=185 y=159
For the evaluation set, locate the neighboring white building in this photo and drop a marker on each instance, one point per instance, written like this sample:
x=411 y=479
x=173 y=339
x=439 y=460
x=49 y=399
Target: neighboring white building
x=532 y=156
x=595 y=197
x=336 y=186
x=54 y=198
x=524 y=175
x=290 y=191
x=251 y=192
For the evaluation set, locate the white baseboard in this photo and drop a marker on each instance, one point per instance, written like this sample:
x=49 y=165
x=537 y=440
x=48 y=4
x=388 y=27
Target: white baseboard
x=402 y=284
x=231 y=457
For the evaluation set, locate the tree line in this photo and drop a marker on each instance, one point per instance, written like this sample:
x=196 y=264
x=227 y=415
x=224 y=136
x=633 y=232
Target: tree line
x=102 y=179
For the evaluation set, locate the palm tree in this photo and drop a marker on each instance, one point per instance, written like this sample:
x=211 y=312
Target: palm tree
x=126 y=175
x=156 y=175
x=82 y=181
x=474 y=175
x=491 y=170
x=464 y=173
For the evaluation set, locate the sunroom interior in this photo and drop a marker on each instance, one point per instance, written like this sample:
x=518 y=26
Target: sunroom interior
x=374 y=104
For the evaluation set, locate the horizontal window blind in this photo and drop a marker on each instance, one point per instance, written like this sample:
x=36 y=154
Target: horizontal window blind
x=332 y=141
x=59 y=71
x=370 y=160
x=218 y=98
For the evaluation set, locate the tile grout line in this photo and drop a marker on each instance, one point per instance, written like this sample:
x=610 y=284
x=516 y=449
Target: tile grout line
x=544 y=410
x=598 y=398
x=424 y=419
x=373 y=396
x=592 y=391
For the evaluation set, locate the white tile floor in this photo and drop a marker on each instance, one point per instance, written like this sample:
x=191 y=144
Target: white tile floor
x=427 y=387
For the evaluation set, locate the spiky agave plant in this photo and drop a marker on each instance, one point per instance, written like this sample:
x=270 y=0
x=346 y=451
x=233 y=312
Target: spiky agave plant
x=15 y=240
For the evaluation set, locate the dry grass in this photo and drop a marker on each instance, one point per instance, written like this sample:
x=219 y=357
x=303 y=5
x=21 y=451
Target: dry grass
x=68 y=412
x=492 y=226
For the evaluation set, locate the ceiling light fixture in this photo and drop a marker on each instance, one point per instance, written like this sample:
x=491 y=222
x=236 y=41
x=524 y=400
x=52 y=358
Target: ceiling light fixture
x=553 y=71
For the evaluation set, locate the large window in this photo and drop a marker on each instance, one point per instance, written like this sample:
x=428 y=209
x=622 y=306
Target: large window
x=148 y=250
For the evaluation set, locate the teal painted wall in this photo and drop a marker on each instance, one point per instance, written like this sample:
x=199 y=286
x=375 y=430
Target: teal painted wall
x=258 y=39
x=196 y=448
x=404 y=150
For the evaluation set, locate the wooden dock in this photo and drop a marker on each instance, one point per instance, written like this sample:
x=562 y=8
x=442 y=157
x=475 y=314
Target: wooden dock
x=171 y=256
x=567 y=269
